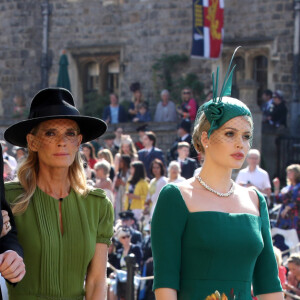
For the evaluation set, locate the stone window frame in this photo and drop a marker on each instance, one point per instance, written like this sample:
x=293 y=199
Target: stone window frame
x=249 y=54
x=103 y=62
x=102 y=55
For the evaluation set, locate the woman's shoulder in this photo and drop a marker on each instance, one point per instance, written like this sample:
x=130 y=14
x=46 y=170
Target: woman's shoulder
x=250 y=194
x=12 y=190
x=97 y=200
x=164 y=179
x=142 y=181
x=185 y=184
x=97 y=194
x=13 y=186
x=171 y=192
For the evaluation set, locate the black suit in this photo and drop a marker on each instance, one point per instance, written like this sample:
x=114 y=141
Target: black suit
x=188 y=167
x=173 y=154
x=147 y=157
x=136 y=236
x=135 y=249
x=9 y=241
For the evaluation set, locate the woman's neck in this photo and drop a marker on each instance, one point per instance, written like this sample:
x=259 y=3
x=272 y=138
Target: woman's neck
x=54 y=182
x=217 y=177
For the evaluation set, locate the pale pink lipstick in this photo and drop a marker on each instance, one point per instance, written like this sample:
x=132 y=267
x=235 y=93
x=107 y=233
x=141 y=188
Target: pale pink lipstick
x=61 y=154
x=238 y=155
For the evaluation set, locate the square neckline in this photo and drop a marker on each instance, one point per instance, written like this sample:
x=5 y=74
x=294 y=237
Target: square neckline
x=219 y=212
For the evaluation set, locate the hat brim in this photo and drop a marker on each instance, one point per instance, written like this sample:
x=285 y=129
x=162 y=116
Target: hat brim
x=90 y=128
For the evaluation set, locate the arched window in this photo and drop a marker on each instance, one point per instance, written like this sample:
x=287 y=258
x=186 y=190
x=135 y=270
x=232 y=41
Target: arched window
x=92 y=78
x=113 y=71
x=260 y=75
x=238 y=75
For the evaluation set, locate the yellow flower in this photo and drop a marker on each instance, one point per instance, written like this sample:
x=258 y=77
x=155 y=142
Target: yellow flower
x=216 y=296
x=224 y=297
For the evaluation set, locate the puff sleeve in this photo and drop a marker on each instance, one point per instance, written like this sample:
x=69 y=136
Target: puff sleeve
x=167 y=226
x=105 y=226
x=265 y=275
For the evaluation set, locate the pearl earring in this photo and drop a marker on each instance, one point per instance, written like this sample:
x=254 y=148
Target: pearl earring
x=206 y=146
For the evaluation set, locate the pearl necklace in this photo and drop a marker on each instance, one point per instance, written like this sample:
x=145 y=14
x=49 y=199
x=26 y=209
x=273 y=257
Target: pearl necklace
x=214 y=191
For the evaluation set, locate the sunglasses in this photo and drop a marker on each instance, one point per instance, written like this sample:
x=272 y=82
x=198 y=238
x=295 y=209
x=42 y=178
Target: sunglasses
x=186 y=93
x=125 y=237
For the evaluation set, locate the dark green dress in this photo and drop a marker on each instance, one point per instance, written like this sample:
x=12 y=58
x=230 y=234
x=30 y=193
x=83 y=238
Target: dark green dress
x=56 y=264
x=197 y=253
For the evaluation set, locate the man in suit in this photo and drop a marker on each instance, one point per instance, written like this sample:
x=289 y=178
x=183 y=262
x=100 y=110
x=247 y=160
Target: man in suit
x=12 y=267
x=150 y=152
x=114 y=113
x=188 y=165
x=183 y=132
x=127 y=218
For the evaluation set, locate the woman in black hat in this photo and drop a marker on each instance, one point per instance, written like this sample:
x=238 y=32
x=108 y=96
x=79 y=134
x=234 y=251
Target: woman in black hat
x=64 y=226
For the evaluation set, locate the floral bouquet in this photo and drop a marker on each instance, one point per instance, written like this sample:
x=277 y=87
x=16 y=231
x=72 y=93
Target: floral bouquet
x=217 y=296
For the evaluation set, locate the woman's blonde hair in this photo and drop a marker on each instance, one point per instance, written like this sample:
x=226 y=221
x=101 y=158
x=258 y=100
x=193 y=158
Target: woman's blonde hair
x=106 y=154
x=278 y=255
x=28 y=173
x=104 y=165
x=296 y=169
x=202 y=125
x=294 y=259
x=126 y=140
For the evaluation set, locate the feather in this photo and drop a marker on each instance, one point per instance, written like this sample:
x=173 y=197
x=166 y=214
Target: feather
x=226 y=88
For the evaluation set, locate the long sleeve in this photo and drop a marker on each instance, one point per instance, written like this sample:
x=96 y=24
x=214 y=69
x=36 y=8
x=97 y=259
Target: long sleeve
x=167 y=228
x=265 y=276
x=9 y=241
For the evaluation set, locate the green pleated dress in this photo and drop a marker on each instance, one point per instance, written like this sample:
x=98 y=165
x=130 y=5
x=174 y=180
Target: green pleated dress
x=197 y=253
x=56 y=264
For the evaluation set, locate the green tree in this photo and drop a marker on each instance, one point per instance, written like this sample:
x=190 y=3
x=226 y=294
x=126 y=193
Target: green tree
x=166 y=75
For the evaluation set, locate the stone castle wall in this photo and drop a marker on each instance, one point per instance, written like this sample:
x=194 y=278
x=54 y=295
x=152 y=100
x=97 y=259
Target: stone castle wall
x=142 y=30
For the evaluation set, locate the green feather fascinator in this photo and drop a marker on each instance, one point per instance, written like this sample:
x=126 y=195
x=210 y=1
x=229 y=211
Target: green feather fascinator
x=218 y=110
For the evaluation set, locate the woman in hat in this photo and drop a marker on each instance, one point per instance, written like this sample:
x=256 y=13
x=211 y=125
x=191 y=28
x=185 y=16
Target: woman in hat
x=211 y=237
x=64 y=226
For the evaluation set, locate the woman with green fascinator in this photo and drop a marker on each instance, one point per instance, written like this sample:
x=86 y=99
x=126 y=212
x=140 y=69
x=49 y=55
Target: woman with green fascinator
x=211 y=237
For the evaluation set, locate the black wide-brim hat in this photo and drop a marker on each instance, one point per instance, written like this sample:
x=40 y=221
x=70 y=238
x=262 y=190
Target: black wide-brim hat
x=49 y=104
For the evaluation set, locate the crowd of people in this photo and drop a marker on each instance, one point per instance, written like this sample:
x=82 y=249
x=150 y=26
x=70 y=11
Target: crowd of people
x=274 y=109
x=166 y=110
x=132 y=173
x=133 y=179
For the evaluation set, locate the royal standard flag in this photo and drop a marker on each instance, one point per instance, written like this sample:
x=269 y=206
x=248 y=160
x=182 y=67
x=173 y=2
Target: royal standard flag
x=208 y=20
